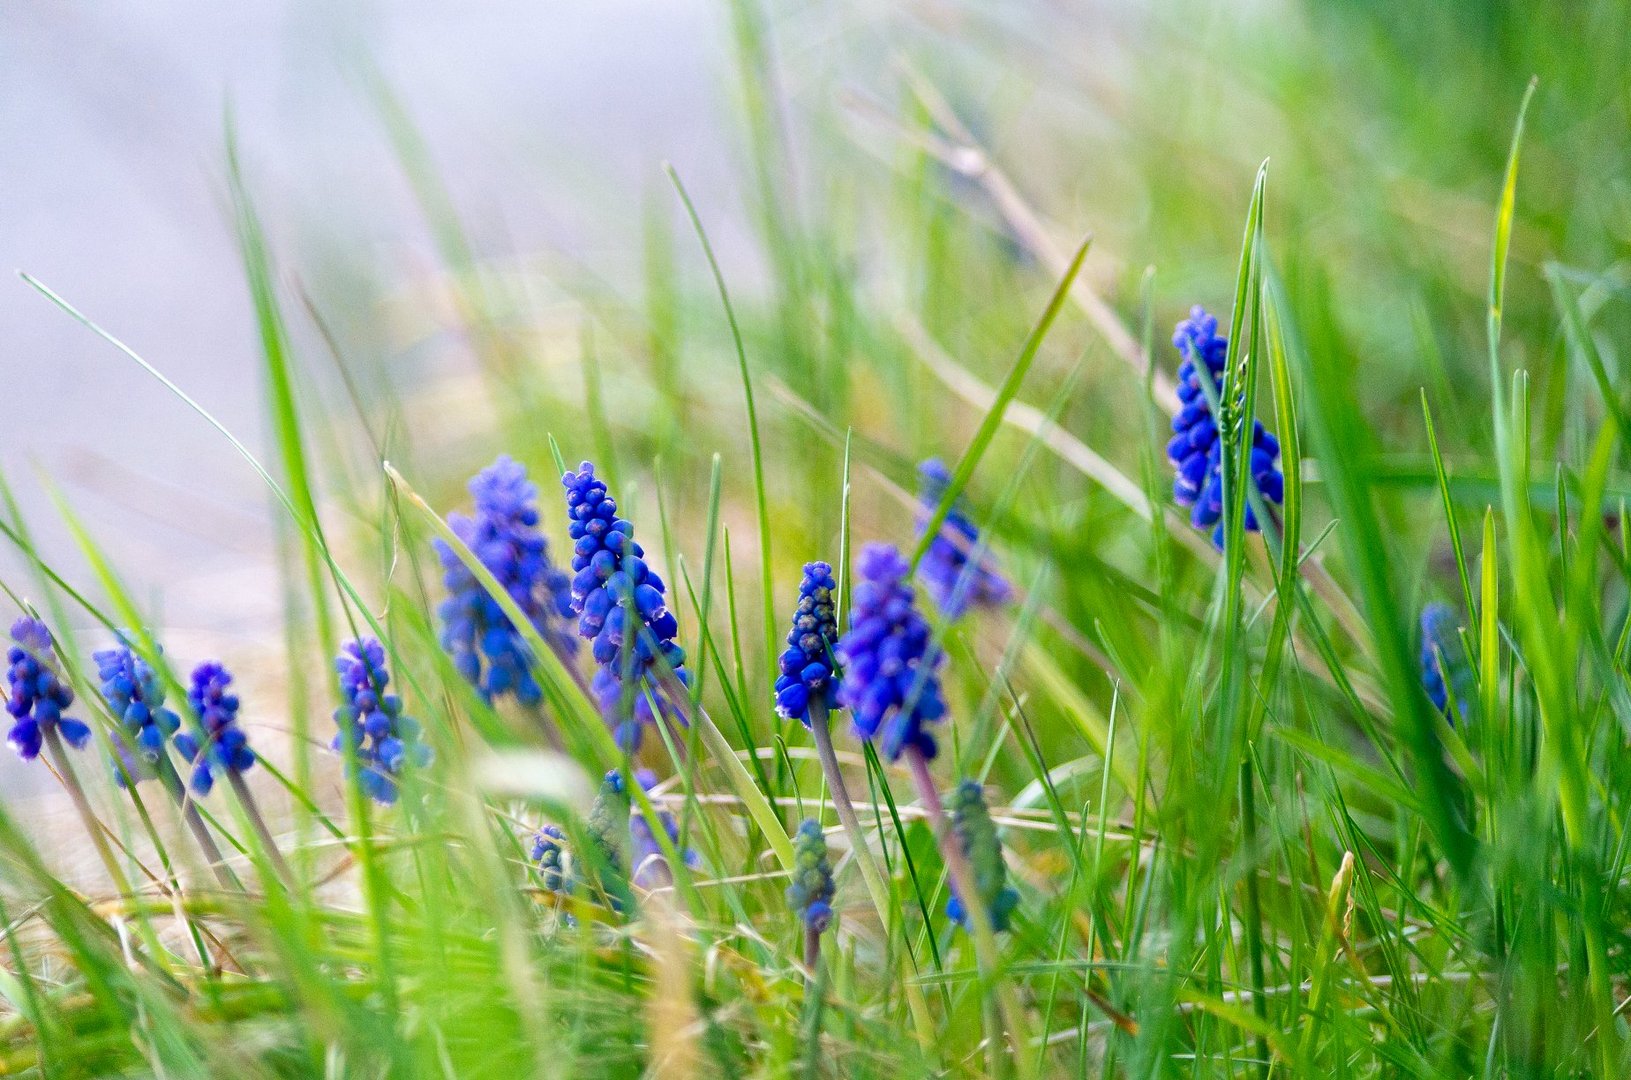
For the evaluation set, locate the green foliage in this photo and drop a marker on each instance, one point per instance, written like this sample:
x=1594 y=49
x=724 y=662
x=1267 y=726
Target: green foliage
x=1242 y=841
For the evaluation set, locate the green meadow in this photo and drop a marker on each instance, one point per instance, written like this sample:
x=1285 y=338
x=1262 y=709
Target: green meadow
x=1248 y=815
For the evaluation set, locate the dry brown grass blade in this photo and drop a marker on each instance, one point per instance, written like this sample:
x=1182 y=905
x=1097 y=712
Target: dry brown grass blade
x=676 y=1026
x=964 y=155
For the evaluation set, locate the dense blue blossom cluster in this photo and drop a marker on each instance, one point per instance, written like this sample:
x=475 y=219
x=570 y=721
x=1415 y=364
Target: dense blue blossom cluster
x=549 y=852
x=135 y=695
x=1444 y=664
x=812 y=890
x=37 y=696
x=220 y=744
x=806 y=664
x=504 y=535
x=382 y=739
x=956 y=569
x=621 y=609
x=1195 y=449
x=891 y=683
x=976 y=834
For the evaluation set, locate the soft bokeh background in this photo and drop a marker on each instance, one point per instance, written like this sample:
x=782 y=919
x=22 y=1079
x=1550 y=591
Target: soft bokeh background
x=471 y=247
x=548 y=124
x=115 y=195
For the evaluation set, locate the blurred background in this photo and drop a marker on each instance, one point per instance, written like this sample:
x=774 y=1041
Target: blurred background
x=117 y=198
x=476 y=247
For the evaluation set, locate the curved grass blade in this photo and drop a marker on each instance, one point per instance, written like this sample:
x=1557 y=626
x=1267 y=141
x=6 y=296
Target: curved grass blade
x=761 y=502
x=1005 y=393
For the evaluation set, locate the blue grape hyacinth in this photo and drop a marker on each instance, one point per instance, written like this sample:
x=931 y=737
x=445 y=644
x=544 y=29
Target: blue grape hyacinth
x=956 y=569
x=503 y=534
x=549 y=852
x=135 y=695
x=608 y=819
x=891 y=683
x=622 y=610
x=219 y=744
x=383 y=739
x=1195 y=449
x=976 y=833
x=1444 y=664
x=37 y=697
x=812 y=890
x=807 y=677
x=626 y=839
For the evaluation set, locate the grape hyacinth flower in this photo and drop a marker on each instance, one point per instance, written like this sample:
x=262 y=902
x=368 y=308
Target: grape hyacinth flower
x=135 y=695
x=220 y=744
x=811 y=893
x=382 y=738
x=1195 y=449
x=891 y=683
x=504 y=535
x=608 y=827
x=1444 y=664
x=976 y=833
x=955 y=578
x=807 y=677
x=609 y=818
x=621 y=609
x=38 y=696
x=625 y=837
x=37 y=699
x=549 y=852
x=217 y=747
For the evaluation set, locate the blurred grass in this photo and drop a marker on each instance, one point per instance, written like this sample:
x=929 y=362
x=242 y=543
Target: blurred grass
x=1245 y=845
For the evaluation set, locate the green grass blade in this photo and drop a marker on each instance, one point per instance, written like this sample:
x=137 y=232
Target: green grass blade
x=761 y=500
x=1005 y=393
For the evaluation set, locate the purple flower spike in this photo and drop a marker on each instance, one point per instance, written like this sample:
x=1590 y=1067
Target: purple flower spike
x=1195 y=450
x=220 y=744
x=891 y=683
x=38 y=697
x=955 y=578
x=622 y=610
x=135 y=695
x=504 y=535
x=806 y=666
x=1444 y=663
x=384 y=740
x=811 y=893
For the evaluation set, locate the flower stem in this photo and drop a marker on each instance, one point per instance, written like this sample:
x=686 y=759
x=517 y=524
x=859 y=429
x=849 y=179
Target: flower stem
x=201 y=833
x=821 y=732
x=99 y=839
x=76 y=792
x=812 y=947
x=839 y=791
x=979 y=919
x=252 y=811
